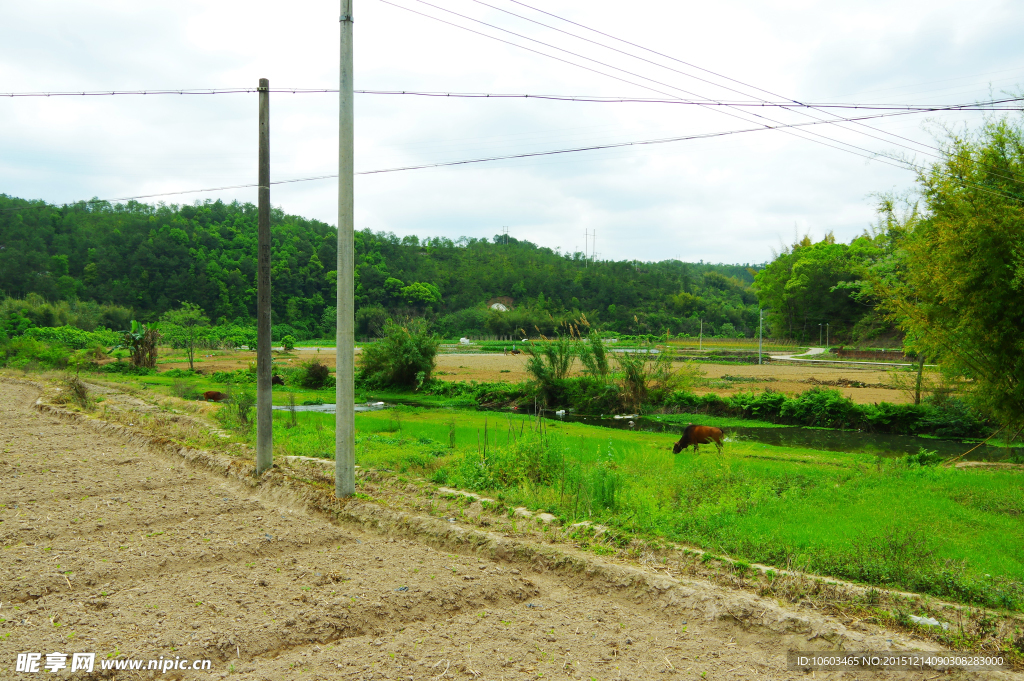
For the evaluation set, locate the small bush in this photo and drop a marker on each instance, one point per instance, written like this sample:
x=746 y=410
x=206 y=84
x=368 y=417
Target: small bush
x=314 y=374
x=404 y=357
x=923 y=457
x=185 y=390
x=244 y=403
x=237 y=376
x=288 y=342
x=180 y=373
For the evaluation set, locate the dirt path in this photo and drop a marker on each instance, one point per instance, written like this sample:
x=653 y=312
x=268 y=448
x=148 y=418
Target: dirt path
x=113 y=548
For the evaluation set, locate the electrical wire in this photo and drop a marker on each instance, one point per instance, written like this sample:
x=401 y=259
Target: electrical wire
x=859 y=151
x=795 y=102
x=988 y=105
x=442 y=164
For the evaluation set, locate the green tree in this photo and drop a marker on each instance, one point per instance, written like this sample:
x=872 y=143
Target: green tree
x=183 y=327
x=957 y=283
x=807 y=285
x=421 y=294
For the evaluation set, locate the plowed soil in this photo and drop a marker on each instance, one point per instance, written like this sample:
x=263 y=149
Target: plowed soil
x=126 y=549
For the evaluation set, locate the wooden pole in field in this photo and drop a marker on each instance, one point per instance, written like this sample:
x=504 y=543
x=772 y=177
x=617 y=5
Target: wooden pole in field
x=345 y=417
x=264 y=360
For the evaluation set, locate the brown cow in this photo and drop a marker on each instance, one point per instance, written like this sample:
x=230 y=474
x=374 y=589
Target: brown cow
x=276 y=380
x=699 y=435
x=215 y=396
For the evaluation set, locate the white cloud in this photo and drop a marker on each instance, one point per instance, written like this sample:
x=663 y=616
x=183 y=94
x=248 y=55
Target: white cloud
x=726 y=199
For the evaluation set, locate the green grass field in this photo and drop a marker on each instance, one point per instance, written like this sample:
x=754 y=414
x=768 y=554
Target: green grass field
x=952 y=533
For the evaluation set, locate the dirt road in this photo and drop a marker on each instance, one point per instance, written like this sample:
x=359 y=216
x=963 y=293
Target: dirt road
x=112 y=547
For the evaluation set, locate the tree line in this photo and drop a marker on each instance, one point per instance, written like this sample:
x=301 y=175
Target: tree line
x=942 y=270
x=150 y=259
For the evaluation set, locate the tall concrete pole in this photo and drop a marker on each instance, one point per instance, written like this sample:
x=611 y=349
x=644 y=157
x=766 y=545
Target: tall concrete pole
x=345 y=417
x=760 y=332
x=264 y=415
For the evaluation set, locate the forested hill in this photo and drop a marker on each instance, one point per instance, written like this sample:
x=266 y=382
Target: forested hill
x=153 y=258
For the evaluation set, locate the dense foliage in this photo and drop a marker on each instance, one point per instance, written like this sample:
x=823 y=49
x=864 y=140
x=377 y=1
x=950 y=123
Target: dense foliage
x=943 y=268
x=956 y=280
x=147 y=260
x=403 y=357
x=811 y=285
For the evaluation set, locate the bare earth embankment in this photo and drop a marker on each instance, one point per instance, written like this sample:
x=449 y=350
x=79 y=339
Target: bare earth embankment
x=121 y=544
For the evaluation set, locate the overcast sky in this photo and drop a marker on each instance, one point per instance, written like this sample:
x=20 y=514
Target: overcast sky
x=722 y=199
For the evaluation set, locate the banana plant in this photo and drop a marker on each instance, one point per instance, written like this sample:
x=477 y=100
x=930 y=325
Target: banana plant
x=140 y=341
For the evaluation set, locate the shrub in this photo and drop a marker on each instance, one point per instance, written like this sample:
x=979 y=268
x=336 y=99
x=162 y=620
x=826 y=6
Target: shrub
x=179 y=373
x=244 y=402
x=288 y=342
x=314 y=374
x=74 y=391
x=236 y=376
x=404 y=357
x=646 y=377
x=27 y=353
x=72 y=337
x=550 y=363
x=821 y=407
x=923 y=457
x=185 y=390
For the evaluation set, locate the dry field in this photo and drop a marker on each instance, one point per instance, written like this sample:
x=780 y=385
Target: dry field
x=790 y=378
x=209 y=361
x=873 y=384
x=126 y=545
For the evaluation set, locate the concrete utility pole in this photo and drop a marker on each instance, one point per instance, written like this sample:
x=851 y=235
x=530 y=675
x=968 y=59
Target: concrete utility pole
x=760 y=332
x=920 y=375
x=264 y=360
x=345 y=414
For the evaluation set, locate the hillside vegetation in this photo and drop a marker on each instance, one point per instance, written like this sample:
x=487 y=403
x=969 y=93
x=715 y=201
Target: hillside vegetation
x=151 y=259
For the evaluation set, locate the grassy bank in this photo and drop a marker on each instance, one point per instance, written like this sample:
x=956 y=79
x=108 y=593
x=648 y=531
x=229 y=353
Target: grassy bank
x=951 y=533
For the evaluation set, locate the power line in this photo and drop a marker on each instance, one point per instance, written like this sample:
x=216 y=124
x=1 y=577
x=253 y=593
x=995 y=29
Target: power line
x=796 y=103
x=486 y=159
x=654 y=63
x=987 y=105
x=867 y=153
x=793 y=103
